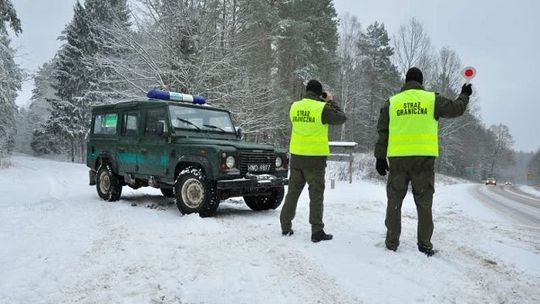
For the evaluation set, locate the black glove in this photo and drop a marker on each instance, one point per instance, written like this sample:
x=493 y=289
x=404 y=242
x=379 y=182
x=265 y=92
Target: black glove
x=382 y=166
x=466 y=89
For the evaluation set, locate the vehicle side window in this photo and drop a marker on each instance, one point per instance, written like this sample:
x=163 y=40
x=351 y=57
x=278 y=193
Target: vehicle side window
x=155 y=118
x=105 y=124
x=130 y=126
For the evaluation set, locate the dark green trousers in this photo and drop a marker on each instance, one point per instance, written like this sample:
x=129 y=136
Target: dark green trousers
x=297 y=181
x=422 y=189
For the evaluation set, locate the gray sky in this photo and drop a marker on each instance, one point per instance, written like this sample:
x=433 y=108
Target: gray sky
x=499 y=38
x=42 y=22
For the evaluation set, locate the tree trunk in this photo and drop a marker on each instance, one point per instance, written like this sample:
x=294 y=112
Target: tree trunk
x=72 y=152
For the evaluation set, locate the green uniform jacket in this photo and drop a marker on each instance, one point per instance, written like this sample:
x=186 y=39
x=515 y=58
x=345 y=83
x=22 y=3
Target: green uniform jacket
x=444 y=107
x=332 y=115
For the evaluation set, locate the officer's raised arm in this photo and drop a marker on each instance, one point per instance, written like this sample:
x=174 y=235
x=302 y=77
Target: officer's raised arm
x=448 y=108
x=332 y=114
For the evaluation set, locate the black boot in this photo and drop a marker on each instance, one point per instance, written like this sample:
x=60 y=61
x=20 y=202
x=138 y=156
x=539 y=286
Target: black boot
x=391 y=247
x=426 y=250
x=320 y=236
x=287 y=233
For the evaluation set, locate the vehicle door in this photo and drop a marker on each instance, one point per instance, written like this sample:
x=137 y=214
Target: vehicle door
x=128 y=142
x=154 y=150
x=104 y=135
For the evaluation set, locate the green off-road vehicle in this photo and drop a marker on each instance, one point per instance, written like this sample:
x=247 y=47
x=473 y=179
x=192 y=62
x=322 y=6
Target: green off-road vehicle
x=190 y=151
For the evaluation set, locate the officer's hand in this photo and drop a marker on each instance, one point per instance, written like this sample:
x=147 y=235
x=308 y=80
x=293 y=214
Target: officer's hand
x=466 y=89
x=381 y=166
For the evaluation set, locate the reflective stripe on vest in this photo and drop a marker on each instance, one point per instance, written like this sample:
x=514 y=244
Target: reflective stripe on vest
x=309 y=135
x=413 y=129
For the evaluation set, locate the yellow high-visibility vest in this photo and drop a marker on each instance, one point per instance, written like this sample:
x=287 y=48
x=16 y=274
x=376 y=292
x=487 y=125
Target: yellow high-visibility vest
x=309 y=135
x=413 y=129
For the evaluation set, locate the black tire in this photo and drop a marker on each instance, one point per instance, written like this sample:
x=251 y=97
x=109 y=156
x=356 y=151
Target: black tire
x=108 y=184
x=265 y=202
x=167 y=192
x=195 y=193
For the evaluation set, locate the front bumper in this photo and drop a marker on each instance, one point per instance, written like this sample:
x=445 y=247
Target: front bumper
x=253 y=182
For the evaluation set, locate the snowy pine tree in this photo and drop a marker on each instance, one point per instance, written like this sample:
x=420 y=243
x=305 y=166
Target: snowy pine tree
x=305 y=48
x=380 y=80
x=257 y=86
x=10 y=78
x=39 y=112
x=106 y=19
x=8 y=14
x=83 y=78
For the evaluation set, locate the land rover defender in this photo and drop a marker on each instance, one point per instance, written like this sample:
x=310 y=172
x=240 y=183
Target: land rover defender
x=191 y=151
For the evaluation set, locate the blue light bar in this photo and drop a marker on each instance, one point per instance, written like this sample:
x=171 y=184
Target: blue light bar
x=175 y=96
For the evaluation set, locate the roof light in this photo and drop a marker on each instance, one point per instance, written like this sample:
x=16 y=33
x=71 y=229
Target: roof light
x=175 y=96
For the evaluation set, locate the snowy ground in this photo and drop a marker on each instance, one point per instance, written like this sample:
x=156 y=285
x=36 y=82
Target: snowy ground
x=530 y=190
x=59 y=243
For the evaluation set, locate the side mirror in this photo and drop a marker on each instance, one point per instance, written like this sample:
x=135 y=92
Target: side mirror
x=239 y=132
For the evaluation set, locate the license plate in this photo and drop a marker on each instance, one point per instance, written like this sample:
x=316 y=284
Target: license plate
x=259 y=167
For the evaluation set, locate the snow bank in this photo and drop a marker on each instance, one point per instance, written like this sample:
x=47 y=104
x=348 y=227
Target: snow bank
x=530 y=190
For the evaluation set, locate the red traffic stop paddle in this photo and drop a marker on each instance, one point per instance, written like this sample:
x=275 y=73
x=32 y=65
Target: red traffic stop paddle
x=468 y=73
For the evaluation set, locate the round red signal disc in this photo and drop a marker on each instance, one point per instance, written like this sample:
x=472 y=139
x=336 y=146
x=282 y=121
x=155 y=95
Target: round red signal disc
x=469 y=72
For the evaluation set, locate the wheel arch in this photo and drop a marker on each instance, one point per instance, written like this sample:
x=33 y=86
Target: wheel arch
x=106 y=158
x=194 y=161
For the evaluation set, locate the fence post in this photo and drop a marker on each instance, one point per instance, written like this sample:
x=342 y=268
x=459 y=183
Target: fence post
x=350 y=169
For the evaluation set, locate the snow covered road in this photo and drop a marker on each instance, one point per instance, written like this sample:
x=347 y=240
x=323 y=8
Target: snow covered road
x=61 y=244
x=522 y=207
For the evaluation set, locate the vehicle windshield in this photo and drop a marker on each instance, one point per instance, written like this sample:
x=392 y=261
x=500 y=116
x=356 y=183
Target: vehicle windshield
x=201 y=118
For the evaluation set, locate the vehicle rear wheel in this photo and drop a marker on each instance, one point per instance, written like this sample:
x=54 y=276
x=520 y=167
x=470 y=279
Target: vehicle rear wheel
x=265 y=202
x=167 y=192
x=195 y=193
x=108 y=184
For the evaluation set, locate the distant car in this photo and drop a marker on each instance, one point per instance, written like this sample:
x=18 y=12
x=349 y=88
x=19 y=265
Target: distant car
x=508 y=183
x=491 y=181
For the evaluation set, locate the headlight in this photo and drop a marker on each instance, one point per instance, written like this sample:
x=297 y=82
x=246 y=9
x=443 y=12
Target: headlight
x=279 y=162
x=230 y=161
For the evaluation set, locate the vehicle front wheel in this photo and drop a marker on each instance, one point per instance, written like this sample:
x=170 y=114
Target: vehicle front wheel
x=108 y=184
x=195 y=193
x=265 y=202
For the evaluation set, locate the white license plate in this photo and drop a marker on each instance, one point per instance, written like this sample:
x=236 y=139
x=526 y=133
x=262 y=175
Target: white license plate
x=259 y=168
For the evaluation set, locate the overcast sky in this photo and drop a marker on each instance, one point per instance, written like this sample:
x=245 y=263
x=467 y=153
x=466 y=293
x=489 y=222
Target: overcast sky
x=500 y=38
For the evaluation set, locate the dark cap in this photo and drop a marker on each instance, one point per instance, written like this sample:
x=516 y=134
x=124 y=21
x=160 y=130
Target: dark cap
x=414 y=74
x=314 y=86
